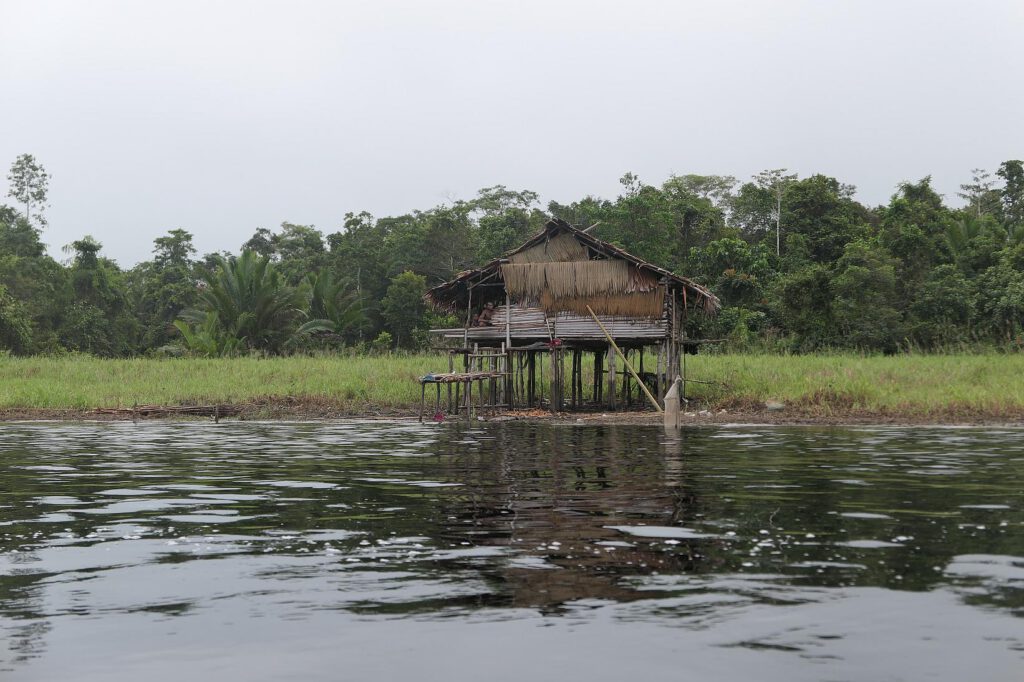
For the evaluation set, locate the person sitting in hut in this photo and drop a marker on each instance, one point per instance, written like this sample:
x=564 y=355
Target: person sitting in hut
x=475 y=322
x=486 y=314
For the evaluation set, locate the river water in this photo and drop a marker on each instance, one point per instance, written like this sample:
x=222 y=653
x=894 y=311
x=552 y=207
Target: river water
x=509 y=551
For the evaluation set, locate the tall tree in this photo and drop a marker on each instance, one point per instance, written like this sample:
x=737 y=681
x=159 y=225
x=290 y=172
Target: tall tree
x=775 y=182
x=167 y=286
x=97 y=320
x=979 y=193
x=29 y=186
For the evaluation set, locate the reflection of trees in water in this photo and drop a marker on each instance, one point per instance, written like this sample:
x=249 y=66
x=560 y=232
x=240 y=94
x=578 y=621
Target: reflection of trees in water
x=26 y=641
x=23 y=604
x=527 y=486
x=549 y=492
x=789 y=489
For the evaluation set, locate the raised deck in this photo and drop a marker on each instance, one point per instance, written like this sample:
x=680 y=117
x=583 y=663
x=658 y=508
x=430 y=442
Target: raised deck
x=528 y=325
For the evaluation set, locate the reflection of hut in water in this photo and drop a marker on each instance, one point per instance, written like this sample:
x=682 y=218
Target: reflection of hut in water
x=554 y=500
x=561 y=295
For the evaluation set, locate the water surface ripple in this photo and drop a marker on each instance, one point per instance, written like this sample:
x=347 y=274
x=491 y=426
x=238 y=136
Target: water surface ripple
x=373 y=550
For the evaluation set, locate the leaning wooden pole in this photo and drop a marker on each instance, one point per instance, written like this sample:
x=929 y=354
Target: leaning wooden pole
x=654 y=401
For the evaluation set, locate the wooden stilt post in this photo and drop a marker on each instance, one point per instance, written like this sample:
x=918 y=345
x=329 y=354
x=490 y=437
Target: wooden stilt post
x=561 y=371
x=557 y=382
x=659 y=373
x=531 y=377
x=572 y=380
x=643 y=352
x=683 y=387
x=579 y=378
x=423 y=398
x=451 y=369
x=612 y=378
x=540 y=386
x=520 y=379
x=492 y=364
x=627 y=389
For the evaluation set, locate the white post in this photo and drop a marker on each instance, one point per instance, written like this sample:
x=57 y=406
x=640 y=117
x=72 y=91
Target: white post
x=672 y=405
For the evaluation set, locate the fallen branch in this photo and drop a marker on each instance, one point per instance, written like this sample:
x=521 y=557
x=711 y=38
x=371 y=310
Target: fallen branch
x=215 y=411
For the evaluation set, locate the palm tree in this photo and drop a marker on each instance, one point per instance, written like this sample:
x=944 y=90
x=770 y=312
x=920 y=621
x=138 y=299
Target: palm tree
x=206 y=339
x=334 y=307
x=960 y=234
x=249 y=302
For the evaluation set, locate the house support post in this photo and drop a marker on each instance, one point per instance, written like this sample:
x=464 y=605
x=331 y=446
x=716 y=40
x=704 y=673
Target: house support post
x=557 y=367
x=627 y=388
x=643 y=352
x=531 y=377
x=579 y=376
x=612 y=378
x=451 y=369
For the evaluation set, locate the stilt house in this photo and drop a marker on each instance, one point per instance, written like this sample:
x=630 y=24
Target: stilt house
x=565 y=293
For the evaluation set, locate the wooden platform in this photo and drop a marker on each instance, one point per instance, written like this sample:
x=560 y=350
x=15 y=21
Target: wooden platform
x=531 y=324
x=457 y=377
x=462 y=379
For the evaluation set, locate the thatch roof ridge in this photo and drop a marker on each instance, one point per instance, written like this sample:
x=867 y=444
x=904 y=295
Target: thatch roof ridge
x=706 y=300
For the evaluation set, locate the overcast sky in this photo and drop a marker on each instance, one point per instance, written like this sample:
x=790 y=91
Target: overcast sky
x=221 y=117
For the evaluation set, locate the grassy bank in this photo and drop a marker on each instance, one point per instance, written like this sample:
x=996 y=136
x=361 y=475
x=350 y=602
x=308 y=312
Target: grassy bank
x=917 y=386
x=913 y=387
x=77 y=383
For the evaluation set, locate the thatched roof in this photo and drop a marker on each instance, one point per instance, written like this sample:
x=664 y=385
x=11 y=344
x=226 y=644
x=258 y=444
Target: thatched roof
x=565 y=268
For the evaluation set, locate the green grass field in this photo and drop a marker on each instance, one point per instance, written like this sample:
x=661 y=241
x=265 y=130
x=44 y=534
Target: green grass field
x=85 y=383
x=990 y=385
x=916 y=386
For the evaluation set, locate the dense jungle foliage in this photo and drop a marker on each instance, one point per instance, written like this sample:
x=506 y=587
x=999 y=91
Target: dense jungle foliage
x=799 y=264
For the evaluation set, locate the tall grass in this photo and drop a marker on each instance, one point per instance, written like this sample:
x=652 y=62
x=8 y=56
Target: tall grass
x=85 y=383
x=919 y=385
x=907 y=385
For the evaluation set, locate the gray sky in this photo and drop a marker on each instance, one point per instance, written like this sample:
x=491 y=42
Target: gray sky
x=221 y=117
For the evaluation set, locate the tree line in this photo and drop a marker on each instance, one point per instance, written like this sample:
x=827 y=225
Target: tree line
x=799 y=263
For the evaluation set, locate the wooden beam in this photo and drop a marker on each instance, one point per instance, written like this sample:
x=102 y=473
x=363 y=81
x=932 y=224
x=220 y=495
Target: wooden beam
x=654 y=401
